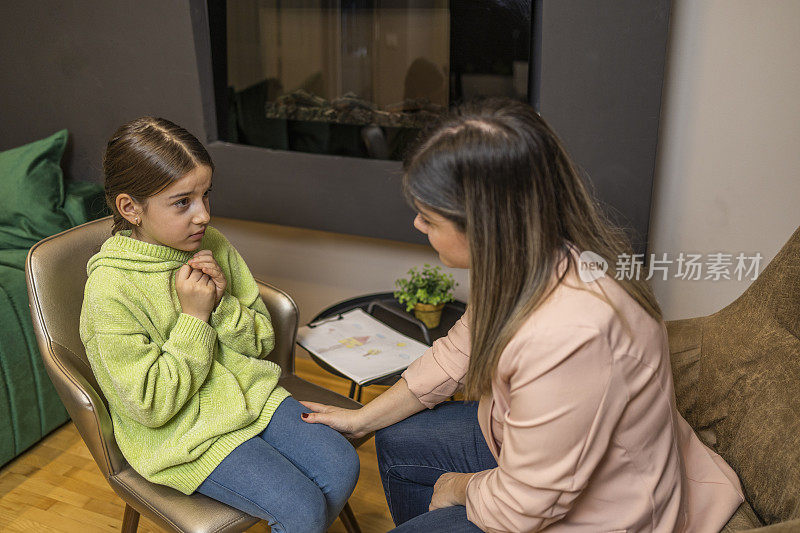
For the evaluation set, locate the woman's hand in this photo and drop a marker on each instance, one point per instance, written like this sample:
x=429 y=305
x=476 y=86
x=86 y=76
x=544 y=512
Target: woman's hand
x=450 y=489
x=345 y=421
x=391 y=406
x=196 y=292
x=205 y=262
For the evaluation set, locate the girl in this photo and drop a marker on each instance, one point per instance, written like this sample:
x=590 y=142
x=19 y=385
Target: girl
x=177 y=337
x=576 y=429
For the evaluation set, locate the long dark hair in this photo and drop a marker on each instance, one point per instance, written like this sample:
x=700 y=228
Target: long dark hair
x=500 y=174
x=143 y=157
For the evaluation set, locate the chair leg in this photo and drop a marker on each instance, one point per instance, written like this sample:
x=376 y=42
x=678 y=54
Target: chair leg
x=130 y=520
x=349 y=519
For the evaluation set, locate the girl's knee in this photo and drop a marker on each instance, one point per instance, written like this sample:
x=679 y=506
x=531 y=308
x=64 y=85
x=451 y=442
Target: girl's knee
x=348 y=466
x=305 y=514
x=351 y=462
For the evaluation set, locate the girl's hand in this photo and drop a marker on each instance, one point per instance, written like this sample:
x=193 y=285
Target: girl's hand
x=450 y=489
x=205 y=262
x=345 y=421
x=195 y=292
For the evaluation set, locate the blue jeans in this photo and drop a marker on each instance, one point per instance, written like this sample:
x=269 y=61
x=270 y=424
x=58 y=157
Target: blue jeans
x=413 y=453
x=296 y=476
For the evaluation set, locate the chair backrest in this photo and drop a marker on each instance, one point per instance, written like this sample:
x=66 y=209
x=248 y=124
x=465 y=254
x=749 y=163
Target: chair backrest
x=737 y=382
x=56 y=277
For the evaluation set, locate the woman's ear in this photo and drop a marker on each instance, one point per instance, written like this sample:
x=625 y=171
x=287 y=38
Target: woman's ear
x=129 y=209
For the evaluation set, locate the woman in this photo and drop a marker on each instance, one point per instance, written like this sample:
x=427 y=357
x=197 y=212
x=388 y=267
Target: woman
x=576 y=428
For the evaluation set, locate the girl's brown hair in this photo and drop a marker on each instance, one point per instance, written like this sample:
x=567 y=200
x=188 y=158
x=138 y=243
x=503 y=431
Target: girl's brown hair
x=143 y=157
x=500 y=174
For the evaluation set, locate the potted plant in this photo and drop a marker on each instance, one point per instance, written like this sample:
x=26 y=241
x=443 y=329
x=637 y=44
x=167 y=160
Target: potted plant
x=425 y=292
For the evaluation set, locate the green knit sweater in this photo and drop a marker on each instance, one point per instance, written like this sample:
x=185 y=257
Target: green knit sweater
x=182 y=393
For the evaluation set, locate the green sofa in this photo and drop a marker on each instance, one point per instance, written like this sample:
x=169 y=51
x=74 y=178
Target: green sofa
x=34 y=203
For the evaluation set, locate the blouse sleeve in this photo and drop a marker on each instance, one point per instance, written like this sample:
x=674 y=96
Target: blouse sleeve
x=562 y=411
x=438 y=373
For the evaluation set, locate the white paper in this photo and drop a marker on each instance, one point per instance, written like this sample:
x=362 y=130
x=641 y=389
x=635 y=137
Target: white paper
x=359 y=346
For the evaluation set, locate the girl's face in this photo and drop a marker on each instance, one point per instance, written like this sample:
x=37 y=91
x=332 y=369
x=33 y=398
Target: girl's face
x=444 y=236
x=178 y=215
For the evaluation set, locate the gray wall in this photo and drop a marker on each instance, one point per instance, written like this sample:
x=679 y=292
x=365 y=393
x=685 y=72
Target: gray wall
x=601 y=77
x=91 y=67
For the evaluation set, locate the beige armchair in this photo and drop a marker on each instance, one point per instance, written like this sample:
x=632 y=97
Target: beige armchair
x=737 y=382
x=56 y=275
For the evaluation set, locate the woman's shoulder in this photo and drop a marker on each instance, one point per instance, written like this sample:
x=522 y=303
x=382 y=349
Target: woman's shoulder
x=573 y=303
x=600 y=307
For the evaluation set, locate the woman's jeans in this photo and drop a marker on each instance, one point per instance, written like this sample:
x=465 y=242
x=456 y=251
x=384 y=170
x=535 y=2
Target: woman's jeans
x=296 y=476
x=413 y=453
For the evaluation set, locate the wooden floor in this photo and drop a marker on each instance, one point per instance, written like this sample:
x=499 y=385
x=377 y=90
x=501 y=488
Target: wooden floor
x=56 y=486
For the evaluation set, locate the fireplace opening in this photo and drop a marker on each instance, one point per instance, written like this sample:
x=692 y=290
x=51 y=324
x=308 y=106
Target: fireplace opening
x=360 y=78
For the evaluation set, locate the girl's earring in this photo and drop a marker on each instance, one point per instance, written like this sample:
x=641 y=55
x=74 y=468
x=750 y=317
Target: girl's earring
x=138 y=222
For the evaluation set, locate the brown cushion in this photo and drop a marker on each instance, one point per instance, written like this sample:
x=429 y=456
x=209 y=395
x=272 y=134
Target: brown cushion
x=737 y=382
x=743 y=519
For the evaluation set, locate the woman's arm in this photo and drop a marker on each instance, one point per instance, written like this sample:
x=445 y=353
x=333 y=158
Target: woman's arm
x=432 y=378
x=395 y=404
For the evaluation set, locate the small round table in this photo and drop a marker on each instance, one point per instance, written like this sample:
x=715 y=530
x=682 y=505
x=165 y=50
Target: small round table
x=385 y=308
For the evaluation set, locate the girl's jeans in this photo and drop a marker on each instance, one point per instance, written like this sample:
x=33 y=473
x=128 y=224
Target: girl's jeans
x=413 y=453
x=296 y=476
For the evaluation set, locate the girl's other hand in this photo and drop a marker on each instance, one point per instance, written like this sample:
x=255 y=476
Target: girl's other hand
x=204 y=261
x=196 y=292
x=345 y=421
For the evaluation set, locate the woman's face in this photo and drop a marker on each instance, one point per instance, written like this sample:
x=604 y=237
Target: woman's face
x=178 y=215
x=444 y=236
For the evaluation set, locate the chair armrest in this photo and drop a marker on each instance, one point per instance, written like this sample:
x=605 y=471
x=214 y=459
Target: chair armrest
x=685 y=350
x=284 y=314
x=790 y=526
x=684 y=335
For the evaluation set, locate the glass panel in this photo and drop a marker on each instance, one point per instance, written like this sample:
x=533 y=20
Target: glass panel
x=360 y=78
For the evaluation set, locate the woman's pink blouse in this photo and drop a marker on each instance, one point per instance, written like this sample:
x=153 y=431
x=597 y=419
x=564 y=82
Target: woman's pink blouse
x=583 y=423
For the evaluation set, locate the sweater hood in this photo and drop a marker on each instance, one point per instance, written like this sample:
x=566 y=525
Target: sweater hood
x=124 y=253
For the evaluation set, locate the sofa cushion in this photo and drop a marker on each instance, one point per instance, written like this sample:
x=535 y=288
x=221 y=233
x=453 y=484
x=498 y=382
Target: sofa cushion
x=32 y=189
x=737 y=382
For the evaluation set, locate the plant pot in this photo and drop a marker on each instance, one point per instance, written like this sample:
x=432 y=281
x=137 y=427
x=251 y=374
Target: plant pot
x=430 y=315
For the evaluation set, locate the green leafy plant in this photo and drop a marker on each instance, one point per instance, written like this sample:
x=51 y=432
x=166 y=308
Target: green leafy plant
x=428 y=286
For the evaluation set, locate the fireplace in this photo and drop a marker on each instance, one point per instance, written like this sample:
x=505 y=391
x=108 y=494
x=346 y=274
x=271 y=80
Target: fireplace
x=361 y=78
x=311 y=104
